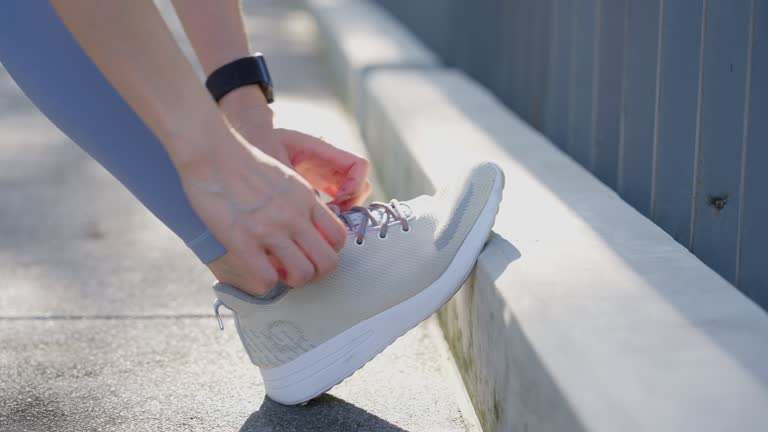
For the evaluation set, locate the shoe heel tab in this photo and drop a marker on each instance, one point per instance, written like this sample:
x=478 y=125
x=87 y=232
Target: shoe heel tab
x=238 y=301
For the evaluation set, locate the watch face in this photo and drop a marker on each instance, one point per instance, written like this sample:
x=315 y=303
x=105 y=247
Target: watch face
x=265 y=80
x=268 y=94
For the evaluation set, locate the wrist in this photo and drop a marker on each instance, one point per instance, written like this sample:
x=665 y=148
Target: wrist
x=192 y=147
x=246 y=103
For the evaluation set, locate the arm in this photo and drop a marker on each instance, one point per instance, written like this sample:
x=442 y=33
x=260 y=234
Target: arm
x=229 y=183
x=218 y=35
x=131 y=45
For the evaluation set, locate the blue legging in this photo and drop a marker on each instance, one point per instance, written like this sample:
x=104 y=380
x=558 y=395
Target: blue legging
x=53 y=71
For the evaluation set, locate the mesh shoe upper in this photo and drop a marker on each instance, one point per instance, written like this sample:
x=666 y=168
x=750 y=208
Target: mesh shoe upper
x=369 y=279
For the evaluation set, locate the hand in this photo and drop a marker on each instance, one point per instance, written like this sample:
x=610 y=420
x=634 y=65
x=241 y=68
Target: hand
x=340 y=174
x=266 y=215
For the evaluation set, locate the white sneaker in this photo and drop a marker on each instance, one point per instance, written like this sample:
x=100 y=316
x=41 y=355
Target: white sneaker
x=401 y=263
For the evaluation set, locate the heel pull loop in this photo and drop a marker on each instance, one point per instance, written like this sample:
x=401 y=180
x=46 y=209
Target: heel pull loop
x=216 y=305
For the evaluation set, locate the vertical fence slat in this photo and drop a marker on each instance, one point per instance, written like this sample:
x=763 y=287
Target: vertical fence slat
x=753 y=277
x=521 y=59
x=511 y=39
x=540 y=48
x=532 y=8
x=556 y=117
x=433 y=20
x=724 y=76
x=532 y=55
x=582 y=56
x=678 y=117
x=610 y=66
x=477 y=34
x=639 y=104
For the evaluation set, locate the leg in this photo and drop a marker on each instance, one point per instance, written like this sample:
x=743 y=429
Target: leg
x=49 y=66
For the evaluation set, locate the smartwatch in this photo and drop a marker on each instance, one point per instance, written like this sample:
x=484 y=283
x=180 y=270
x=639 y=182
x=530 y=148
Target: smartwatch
x=241 y=72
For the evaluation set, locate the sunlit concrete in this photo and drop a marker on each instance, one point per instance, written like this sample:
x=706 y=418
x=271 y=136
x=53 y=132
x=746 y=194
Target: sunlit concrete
x=365 y=37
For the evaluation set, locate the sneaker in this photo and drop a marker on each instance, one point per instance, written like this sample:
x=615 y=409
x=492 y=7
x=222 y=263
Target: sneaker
x=401 y=263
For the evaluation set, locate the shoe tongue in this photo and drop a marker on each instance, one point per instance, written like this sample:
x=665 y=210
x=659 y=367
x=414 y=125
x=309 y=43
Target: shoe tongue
x=355 y=218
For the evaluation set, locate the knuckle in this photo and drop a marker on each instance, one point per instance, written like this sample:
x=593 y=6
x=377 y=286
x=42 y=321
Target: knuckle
x=299 y=277
x=268 y=280
x=258 y=231
x=296 y=219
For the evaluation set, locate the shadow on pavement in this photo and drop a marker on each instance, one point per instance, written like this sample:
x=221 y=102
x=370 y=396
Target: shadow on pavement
x=325 y=413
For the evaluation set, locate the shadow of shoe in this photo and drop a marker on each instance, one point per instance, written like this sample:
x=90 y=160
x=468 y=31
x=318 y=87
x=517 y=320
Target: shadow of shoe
x=325 y=413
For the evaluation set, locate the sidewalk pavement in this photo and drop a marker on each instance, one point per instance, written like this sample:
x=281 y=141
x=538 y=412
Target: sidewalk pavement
x=106 y=319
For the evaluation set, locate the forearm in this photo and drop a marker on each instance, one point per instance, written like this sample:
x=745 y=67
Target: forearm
x=130 y=43
x=217 y=33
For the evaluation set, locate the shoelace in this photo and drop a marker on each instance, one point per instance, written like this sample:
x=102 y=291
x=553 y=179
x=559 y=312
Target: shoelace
x=391 y=210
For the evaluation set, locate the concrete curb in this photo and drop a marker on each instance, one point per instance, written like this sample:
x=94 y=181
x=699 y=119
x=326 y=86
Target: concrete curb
x=359 y=36
x=581 y=315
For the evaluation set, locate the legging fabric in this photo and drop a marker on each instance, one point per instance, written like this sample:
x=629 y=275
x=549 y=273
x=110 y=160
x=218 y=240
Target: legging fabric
x=46 y=62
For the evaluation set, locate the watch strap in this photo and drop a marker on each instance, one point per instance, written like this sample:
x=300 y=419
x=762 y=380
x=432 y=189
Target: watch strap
x=239 y=73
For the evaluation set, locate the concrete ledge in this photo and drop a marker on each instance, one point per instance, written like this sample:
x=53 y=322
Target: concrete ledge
x=581 y=315
x=359 y=36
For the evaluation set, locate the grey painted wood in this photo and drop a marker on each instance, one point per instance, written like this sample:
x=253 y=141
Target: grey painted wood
x=540 y=60
x=722 y=131
x=650 y=95
x=582 y=80
x=639 y=88
x=753 y=277
x=476 y=33
x=507 y=80
x=556 y=108
x=434 y=19
x=523 y=42
x=678 y=117
x=612 y=23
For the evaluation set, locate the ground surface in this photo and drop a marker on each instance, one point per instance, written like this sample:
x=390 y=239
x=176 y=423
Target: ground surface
x=105 y=317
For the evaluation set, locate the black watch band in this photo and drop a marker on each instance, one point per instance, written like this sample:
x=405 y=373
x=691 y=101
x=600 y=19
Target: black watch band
x=241 y=72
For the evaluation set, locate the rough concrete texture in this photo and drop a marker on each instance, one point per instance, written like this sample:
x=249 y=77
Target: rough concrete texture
x=105 y=317
x=581 y=315
x=170 y=373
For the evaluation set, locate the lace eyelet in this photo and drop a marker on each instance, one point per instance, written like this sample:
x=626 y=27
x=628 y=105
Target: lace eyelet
x=359 y=242
x=382 y=236
x=405 y=229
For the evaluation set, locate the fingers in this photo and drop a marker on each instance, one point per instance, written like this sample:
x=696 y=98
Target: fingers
x=317 y=249
x=344 y=175
x=298 y=268
x=262 y=275
x=356 y=185
x=329 y=226
x=357 y=199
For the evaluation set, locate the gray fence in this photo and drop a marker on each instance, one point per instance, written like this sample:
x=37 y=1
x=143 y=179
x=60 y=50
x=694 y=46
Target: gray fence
x=666 y=101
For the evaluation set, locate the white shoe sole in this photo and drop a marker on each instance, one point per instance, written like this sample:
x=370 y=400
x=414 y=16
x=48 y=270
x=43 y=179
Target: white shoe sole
x=316 y=371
